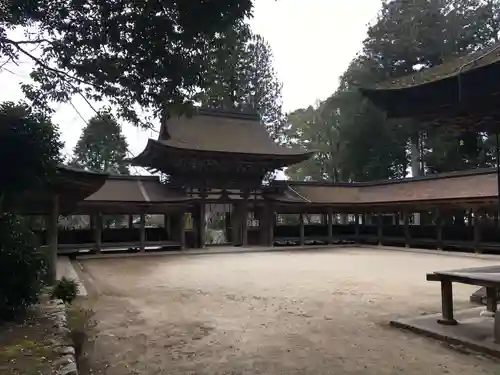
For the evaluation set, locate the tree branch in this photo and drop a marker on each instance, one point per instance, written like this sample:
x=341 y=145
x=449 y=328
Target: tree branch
x=46 y=66
x=33 y=41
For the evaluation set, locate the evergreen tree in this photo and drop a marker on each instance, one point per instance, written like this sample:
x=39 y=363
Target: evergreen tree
x=242 y=78
x=407 y=37
x=102 y=147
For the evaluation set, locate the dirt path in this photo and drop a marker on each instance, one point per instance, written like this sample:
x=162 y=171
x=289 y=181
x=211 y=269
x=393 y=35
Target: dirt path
x=309 y=312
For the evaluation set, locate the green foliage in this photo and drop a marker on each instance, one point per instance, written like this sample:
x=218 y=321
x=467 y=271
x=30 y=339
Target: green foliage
x=241 y=77
x=22 y=266
x=150 y=53
x=65 y=289
x=102 y=147
x=355 y=140
x=29 y=150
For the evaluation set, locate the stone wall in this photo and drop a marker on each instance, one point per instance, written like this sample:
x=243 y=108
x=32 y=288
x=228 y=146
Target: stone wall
x=65 y=364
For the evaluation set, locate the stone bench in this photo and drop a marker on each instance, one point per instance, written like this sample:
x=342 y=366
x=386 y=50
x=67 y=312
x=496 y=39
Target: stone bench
x=487 y=277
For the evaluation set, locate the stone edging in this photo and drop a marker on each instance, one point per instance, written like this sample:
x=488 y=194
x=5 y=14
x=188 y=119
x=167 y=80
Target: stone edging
x=65 y=364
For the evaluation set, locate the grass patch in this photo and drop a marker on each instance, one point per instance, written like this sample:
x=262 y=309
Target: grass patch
x=25 y=347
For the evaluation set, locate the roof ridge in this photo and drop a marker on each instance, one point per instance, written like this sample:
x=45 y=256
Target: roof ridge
x=453 y=174
x=243 y=115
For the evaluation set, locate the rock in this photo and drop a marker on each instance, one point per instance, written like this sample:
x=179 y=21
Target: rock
x=64 y=331
x=65 y=350
x=61 y=342
x=69 y=369
x=63 y=361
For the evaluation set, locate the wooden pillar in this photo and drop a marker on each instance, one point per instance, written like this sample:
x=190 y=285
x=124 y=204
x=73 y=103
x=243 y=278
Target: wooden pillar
x=266 y=217
x=496 y=329
x=167 y=224
x=130 y=221
x=271 y=224
x=236 y=224
x=380 y=232
x=142 y=233
x=491 y=300
x=201 y=224
x=330 y=225
x=98 y=232
x=439 y=230
x=177 y=227
x=181 y=228
x=52 y=232
x=406 y=221
x=227 y=226
x=244 y=223
x=356 y=228
x=447 y=304
x=344 y=219
x=477 y=231
x=262 y=215
x=301 y=228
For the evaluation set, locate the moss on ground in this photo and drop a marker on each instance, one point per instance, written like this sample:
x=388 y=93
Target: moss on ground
x=25 y=347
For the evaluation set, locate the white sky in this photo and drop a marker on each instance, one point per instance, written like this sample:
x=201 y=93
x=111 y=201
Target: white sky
x=313 y=42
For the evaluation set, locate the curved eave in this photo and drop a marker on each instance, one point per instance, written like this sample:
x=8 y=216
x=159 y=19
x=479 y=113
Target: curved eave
x=71 y=186
x=448 y=95
x=413 y=101
x=156 y=149
x=78 y=180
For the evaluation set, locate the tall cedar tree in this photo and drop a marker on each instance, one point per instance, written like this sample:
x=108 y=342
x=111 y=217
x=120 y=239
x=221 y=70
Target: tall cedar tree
x=242 y=77
x=407 y=36
x=102 y=147
x=150 y=54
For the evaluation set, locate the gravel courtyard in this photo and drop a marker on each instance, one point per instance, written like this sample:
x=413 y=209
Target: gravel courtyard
x=307 y=312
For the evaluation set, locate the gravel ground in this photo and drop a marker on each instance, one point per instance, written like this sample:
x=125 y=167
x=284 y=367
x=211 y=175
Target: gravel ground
x=302 y=312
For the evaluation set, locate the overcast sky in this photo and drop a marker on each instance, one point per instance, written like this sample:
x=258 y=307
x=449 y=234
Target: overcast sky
x=313 y=42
